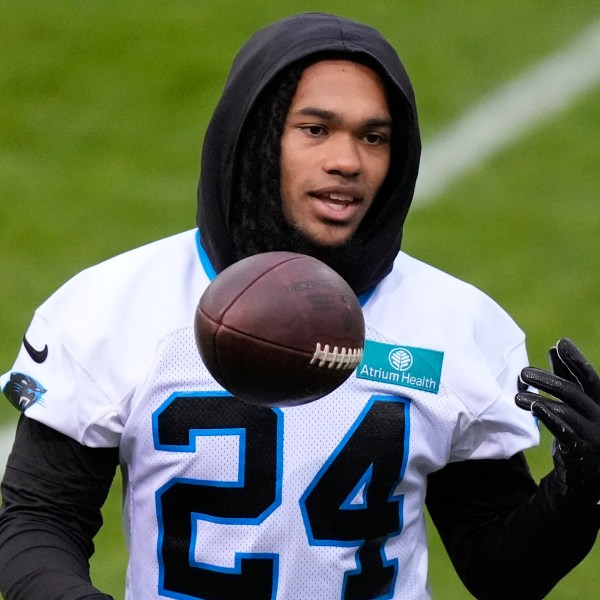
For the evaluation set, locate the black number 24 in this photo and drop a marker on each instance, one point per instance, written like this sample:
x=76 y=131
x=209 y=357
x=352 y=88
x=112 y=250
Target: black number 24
x=351 y=502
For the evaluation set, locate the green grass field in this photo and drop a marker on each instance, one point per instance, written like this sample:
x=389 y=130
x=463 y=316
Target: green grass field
x=103 y=107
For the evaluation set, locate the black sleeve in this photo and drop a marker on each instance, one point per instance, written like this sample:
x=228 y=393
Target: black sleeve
x=506 y=536
x=52 y=493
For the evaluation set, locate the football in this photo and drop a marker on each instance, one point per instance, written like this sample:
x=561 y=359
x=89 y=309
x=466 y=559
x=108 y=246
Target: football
x=279 y=329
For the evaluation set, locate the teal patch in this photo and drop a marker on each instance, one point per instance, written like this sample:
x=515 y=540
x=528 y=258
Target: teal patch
x=406 y=366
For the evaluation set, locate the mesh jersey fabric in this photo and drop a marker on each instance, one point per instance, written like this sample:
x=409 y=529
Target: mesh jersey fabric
x=296 y=502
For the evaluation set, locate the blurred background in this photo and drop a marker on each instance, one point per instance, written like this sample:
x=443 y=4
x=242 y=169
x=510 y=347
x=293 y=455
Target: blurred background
x=103 y=107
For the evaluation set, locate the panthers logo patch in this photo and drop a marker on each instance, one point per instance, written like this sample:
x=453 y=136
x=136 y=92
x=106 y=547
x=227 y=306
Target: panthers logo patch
x=24 y=391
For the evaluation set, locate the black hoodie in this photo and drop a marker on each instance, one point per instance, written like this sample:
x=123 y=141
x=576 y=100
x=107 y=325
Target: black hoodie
x=268 y=53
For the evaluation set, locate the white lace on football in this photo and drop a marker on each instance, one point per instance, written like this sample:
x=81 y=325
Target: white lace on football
x=340 y=358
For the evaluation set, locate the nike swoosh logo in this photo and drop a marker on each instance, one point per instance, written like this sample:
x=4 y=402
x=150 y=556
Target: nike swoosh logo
x=39 y=356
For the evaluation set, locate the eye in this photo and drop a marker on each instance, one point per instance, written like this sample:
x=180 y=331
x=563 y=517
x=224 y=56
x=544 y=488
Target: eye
x=376 y=138
x=314 y=130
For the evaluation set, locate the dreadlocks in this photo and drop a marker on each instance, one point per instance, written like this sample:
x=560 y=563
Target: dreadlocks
x=256 y=221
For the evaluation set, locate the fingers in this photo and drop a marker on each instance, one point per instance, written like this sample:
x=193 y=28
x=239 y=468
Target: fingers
x=578 y=367
x=563 y=389
x=562 y=411
x=573 y=416
x=558 y=366
x=556 y=416
x=524 y=400
x=558 y=427
x=575 y=387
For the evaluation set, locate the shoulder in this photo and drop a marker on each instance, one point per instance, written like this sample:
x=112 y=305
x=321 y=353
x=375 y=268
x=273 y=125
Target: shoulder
x=146 y=262
x=132 y=283
x=111 y=317
x=483 y=348
x=418 y=296
x=103 y=329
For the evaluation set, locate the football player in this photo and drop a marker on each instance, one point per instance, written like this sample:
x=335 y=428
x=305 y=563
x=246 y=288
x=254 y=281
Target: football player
x=314 y=148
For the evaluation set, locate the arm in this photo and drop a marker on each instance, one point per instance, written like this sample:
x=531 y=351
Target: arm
x=52 y=493
x=506 y=536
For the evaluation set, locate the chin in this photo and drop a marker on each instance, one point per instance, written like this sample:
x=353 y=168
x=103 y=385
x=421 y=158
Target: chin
x=328 y=241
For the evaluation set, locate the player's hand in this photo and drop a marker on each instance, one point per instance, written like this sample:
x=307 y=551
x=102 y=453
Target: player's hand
x=572 y=416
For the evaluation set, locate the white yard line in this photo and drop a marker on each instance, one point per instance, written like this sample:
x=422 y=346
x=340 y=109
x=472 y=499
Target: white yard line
x=501 y=118
x=511 y=112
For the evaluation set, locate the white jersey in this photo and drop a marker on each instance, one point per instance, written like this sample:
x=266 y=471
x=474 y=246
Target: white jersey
x=229 y=501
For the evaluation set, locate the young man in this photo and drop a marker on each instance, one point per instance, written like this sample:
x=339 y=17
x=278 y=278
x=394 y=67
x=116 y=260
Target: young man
x=314 y=148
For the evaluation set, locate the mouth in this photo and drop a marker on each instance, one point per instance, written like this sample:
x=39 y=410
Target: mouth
x=337 y=201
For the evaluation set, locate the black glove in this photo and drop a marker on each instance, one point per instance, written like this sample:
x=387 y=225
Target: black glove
x=573 y=419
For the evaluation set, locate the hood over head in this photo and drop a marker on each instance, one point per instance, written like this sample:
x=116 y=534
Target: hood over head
x=271 y=51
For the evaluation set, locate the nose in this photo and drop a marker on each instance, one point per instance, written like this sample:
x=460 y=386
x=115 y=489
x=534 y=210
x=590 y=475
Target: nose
x=343 y=156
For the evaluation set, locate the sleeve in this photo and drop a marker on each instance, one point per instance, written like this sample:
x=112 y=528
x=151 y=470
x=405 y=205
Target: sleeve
x=71 y=372
x=493 y=426
x=52 y=493
x=506 y=536
x=92 y=342
x=67 y=391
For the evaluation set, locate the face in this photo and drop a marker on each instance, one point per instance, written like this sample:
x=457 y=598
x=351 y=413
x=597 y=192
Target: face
x=335 y=150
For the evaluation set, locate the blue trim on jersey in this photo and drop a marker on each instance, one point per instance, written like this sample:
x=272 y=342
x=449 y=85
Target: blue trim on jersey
x=361 y=487
x=386 y=563
x=204 y=260
x=237 y=568
x=357 y=498
x=322 y=542
x=193 y=434
x=197 y=519
x=366 y=296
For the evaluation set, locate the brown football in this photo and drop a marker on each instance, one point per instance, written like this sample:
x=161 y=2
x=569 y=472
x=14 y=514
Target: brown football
x=279 y=329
